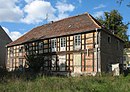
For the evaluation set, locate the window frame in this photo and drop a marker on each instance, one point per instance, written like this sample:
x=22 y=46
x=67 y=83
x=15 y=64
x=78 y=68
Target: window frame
x=118 y=44
x=77 y=42
x=109 y=39
x=62 y=43
x=53 y=44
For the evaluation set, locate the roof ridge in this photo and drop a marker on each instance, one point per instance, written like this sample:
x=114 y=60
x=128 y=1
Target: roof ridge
x=66 y=18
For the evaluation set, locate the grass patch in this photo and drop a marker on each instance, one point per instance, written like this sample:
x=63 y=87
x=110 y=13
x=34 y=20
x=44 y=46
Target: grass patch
x=67 y=84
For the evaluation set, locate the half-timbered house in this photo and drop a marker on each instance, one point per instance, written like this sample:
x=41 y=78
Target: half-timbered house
x=74 y=45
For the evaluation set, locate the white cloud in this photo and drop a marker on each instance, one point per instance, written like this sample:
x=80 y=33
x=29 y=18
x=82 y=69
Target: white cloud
x=100 y=6
x=37 y=10
x=63 y=8
x=9 y=11
x=13 y=35
x=34 y=11
x=98 y=14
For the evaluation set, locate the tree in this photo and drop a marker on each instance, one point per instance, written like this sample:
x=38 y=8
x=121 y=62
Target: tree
x=114 y=22
x=120 y=2
x=35 y=62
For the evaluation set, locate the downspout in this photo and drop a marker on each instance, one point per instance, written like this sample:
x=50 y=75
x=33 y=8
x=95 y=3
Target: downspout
x=97 y=50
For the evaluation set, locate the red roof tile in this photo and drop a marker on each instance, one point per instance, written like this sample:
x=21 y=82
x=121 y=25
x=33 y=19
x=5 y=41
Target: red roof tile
x=71 y=25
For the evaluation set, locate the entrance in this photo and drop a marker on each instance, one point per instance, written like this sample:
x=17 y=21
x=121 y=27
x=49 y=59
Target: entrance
x=77 y=63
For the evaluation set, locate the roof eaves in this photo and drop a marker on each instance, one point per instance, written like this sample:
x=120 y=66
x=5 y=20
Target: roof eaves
x=93 y=19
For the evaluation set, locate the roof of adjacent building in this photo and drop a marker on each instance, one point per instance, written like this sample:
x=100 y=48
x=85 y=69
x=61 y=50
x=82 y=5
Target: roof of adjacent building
x=4 y=36
x=71 y=25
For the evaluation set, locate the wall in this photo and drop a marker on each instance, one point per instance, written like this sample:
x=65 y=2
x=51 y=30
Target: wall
x=4 y=40
x=127 y=57
x=111 y=50
x=58 y=59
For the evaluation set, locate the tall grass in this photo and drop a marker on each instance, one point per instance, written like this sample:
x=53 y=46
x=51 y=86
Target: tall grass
x=67 y=84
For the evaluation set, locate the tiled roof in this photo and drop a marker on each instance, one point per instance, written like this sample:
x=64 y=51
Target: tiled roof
x=76 y=24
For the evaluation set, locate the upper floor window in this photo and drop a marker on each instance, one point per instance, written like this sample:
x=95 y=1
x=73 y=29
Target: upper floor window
x=21 y=49
x=62 y=43
x=40 y=45
x=109 y=39
x=11 y=51
x=53 y=44
x=77 y=41
x=118 y=44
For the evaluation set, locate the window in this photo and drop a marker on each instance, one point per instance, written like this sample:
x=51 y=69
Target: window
x=62 y=62
x=63 y=42
x=77 y=41
x=118 y=44
x=109 y=39
x=53 y=62
x=11 y=52
x=40 y=45
x=53 y=44
x=21 y=49
x=26 y=47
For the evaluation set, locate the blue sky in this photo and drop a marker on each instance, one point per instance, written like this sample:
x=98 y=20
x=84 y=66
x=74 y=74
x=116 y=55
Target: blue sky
x=19 y=16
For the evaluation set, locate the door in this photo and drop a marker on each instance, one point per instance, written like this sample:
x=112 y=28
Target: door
x=77 y=63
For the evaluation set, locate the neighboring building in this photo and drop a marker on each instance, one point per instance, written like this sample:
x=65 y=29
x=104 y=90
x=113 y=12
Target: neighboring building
x=4 y=40
x=75 y=45
x=127 y=55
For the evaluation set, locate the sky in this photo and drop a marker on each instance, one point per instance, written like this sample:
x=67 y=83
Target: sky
x=18 y=17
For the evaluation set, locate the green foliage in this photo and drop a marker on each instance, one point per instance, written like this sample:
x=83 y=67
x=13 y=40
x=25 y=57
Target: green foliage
x=35 y=62
x=114 y=22
x=70 y=84
x=120 y=2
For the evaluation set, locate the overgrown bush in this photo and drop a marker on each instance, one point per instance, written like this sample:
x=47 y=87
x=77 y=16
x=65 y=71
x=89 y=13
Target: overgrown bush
x=35 y=62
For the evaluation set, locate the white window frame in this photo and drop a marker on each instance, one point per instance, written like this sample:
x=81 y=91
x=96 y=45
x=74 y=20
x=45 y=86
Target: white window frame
x=77 y=42
x=62 y=43
x=53 y=45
